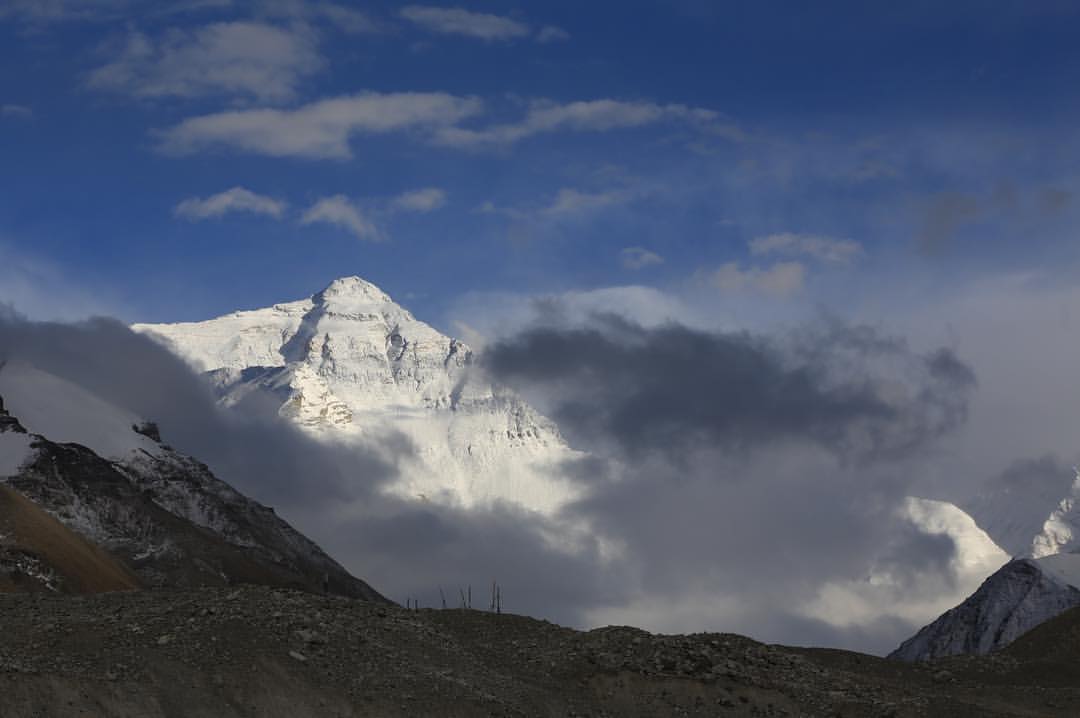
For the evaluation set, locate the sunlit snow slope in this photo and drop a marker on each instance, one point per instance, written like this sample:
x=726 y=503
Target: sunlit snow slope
x=349 y=361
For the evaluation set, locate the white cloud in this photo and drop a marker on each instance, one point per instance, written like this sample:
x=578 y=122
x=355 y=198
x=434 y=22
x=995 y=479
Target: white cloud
x=346 y=19
x=584 y=116
x=246 y=59
x=336 y=16
x=340 y=212
x=457 y=21
x=421 y=200
x=321 y=129
x=552 y=33
x=570 y=201
x=236 y=199
x=779 y=280
x=826 y=249
x=21 y=112
x=639 y=258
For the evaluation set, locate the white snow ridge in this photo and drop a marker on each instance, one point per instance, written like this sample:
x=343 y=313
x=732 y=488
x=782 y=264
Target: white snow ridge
x=349 y=361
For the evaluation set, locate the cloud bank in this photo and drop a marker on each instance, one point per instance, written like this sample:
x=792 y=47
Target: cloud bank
x=733 y=478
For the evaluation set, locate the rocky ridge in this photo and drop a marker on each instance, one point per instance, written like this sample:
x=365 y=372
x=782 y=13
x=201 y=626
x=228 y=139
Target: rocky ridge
x=162 y=515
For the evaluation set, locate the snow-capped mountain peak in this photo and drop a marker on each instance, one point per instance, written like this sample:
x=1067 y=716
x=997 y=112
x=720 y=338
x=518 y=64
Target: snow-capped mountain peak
x=349 y=361
x=352 y=291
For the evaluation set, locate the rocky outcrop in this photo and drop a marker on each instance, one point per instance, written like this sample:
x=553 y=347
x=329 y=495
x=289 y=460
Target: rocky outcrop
x=9 y=422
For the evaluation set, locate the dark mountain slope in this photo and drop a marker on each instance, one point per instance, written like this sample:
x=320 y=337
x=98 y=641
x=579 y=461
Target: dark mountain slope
x=169 y=519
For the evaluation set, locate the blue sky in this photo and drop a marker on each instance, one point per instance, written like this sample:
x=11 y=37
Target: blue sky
x=174 y=161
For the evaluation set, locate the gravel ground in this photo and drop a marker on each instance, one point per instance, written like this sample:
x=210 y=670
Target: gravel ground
x=257 y=651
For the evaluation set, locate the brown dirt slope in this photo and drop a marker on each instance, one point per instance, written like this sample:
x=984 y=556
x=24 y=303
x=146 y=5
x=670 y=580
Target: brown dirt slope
x=40 y=553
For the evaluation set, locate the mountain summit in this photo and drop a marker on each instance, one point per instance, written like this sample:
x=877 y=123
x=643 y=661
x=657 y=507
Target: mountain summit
x=350 y=362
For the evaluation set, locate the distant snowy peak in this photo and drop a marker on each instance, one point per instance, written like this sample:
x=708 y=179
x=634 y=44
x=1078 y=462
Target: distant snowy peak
x=296 y=331
x=349 y=361
x=315 y=353
x=353 y=291
x=1033 y=515
x=1018 y=597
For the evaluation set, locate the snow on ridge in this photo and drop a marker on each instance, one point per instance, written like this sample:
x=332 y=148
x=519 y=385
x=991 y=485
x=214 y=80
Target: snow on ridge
x=51 y=406
x=350 y=362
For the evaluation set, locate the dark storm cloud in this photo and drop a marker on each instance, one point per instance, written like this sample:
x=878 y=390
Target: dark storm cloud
x=722 y=463
x=672 y=388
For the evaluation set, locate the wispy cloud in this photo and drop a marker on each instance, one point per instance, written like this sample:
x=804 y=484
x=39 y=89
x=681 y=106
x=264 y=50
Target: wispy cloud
x=339 y=211
x=826 y=249
x=424 y=200
x=236 y=199
x=345 y=19
x=636 y=258
x=457 y=21
x=20 y=112
x=321 y=129
x=544 y=116
x=570 y=201
x=780 y=280
x=245 y=59
x=45 y=11
x=552 y=33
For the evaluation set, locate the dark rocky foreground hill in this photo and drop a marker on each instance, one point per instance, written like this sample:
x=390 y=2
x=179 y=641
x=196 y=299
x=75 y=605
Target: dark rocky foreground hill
x=72 y=521
x=261 y=651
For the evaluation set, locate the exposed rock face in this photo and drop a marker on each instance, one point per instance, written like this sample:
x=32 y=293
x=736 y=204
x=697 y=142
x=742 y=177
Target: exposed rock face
x=9 y=422
x=1018 y=597
x=349 y=361
x=171 y=521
